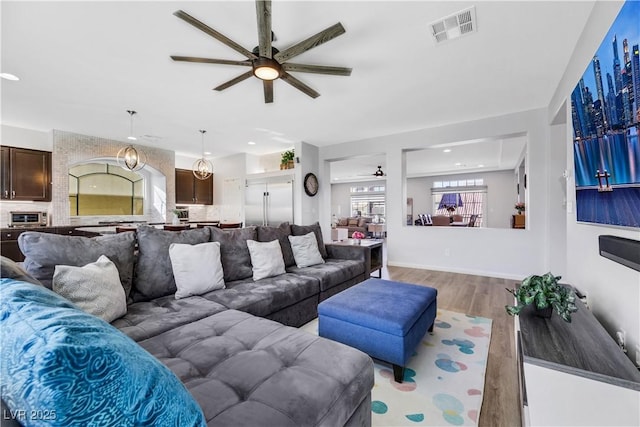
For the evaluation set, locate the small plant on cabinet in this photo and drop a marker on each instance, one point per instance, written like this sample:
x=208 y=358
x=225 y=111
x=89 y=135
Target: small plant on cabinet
x=543 y=292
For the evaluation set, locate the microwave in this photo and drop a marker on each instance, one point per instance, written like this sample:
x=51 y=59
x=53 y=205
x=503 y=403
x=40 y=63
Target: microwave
x=27 y=219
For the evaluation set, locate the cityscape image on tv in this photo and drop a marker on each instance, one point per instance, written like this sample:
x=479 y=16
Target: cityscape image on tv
x=605 y=109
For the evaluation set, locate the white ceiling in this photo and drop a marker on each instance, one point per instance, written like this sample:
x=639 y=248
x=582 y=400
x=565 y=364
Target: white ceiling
x=82 y=64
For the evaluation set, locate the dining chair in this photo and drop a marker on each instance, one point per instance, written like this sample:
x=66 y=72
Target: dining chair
x=472 y=220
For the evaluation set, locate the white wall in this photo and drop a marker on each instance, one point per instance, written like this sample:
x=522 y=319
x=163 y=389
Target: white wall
x=485 y=251
x=306 y=208
x=501 y=195
x=613 y=289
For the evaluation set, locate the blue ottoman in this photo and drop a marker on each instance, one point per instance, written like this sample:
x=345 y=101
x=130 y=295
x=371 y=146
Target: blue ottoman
x=382 y=318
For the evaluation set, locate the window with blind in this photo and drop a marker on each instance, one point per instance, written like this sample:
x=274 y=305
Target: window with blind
x=465 y=201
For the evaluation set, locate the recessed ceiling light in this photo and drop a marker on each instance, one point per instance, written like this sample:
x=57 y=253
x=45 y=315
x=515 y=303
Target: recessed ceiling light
x=207 y=152
x=458 y=164
x=480 y=166
x=251 y=143
x=446 y=150
x=8 y=76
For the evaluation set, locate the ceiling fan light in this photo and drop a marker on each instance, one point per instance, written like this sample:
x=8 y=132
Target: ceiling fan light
x=266 y=68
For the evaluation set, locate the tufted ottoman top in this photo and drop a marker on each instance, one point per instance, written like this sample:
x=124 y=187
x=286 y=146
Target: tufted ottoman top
x=383 y=305
x=245 y=370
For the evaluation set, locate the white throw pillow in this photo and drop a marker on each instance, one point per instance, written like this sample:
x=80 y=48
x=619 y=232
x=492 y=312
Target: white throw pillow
x=266 y=259
x=197 y=269
x=305 y=250
x=95 y=288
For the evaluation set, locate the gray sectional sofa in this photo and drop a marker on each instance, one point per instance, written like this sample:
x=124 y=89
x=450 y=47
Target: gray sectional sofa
x=236 y=350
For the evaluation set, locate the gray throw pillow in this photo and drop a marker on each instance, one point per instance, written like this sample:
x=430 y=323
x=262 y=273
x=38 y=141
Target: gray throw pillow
x=301 y=230
x=236 y=260
x=154 y=274
x=43 y=251
x=281 y=233
x=95 y=288
x=305 y=250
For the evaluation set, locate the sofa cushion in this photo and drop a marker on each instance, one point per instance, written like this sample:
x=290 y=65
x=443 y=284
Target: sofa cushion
x=236 y=260
x=196 y=268
x=362 y=222
x=9 y=269
x=343 y=222
x=266 y=296
x=266 y=259
x=245 y=370
x=332 y=273
x=61 y=361
x=154 y=275
x=305 y=250
x=353 y=222
x=95 y=288
x=282 y=232
x=43 y=251
x=150 y=318
x=301 y=230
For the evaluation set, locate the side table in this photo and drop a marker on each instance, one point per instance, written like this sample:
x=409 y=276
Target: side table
x=376 y=248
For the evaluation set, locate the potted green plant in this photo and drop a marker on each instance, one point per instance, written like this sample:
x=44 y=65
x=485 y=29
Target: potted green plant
x=545 y=294
x=286 y=160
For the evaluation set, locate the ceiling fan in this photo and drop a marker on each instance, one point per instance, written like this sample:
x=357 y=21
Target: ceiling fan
x=379 y=172
x=268 y=63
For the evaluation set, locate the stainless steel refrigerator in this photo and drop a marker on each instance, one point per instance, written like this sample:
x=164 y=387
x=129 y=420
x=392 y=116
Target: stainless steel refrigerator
x=269 y=201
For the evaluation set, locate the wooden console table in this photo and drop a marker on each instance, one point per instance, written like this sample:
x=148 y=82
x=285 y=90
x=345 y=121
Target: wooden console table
x=574 y=373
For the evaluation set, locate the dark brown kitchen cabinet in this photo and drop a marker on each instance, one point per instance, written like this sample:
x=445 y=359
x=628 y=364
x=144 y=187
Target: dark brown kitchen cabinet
x=26 y=174
x=191 y=190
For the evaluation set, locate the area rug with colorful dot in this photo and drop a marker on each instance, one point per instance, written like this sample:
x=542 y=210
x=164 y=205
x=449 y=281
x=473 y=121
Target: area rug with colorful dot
x=444 y=380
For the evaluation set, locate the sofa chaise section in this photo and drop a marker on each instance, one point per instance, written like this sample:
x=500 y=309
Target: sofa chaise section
x=244 y=370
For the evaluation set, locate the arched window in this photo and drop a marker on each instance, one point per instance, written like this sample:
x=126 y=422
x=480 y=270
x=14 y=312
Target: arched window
x=104 y=189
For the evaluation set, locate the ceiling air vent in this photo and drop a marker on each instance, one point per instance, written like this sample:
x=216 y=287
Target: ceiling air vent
x=454 y=26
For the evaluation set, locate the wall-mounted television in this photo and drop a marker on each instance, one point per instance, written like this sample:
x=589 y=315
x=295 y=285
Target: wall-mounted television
x=605 y=107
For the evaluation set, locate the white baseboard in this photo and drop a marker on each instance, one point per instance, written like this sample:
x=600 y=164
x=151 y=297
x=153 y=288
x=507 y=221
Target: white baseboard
x=497 y=274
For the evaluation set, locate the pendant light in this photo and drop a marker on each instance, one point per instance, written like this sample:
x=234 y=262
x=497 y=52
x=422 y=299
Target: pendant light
x=202 y=168
x=128 y=157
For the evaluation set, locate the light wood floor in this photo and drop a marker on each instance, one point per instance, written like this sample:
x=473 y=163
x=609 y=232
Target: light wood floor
x=486 y=297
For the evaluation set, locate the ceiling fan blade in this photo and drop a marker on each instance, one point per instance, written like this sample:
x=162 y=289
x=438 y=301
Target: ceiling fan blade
x=235 y=80
x=318 y=69
x=213 y=33
x=209 y=60
x=268 y=91
x=313 y=41
x=263 y=11
x=299 y=85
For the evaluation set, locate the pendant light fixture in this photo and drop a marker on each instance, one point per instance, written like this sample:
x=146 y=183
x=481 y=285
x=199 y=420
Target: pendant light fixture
x=128 y=157
x=202 y=168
